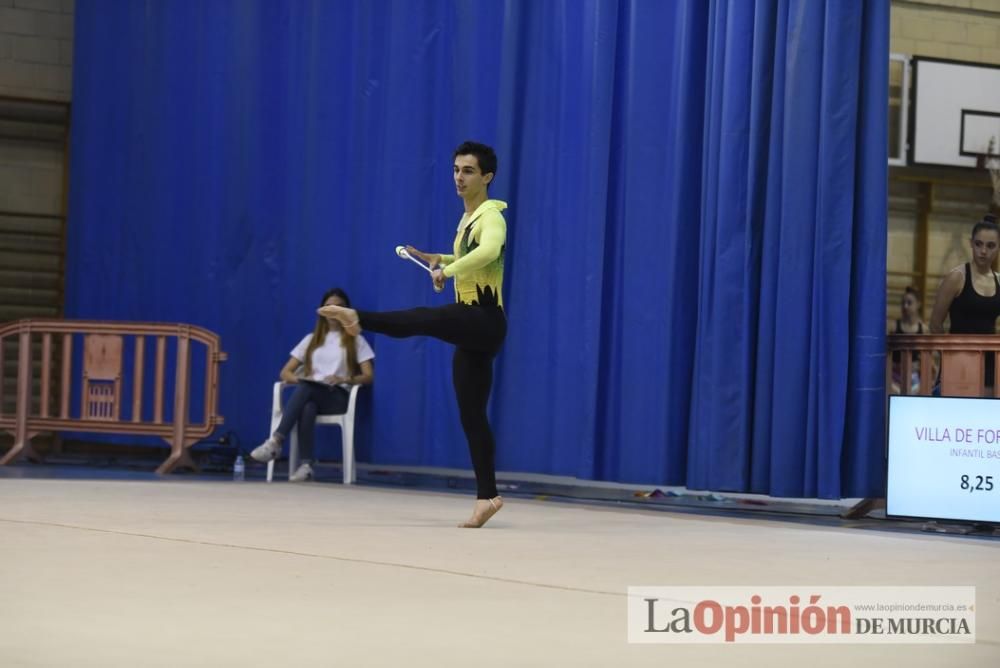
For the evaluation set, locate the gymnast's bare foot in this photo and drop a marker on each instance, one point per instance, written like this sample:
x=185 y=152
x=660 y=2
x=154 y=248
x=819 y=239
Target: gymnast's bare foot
x=347 y=317
x=483 y=511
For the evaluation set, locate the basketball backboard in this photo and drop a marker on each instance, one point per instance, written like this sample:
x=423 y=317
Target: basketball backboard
x=956 y=111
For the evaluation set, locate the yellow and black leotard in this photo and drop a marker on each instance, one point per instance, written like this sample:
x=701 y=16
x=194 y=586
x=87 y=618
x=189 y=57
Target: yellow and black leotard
x=477 y=263
x=476 y=325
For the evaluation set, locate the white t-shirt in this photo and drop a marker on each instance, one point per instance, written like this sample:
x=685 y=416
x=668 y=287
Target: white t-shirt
x=329 y=359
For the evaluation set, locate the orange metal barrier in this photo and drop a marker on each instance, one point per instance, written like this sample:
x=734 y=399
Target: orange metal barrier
x=100 y=385
x=962 y=363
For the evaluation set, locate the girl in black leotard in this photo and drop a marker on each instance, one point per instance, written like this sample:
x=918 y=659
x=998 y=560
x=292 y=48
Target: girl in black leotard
x=970 y=294
x=910 y=323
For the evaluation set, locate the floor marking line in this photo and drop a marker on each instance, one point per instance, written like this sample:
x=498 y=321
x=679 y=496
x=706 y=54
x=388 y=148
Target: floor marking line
x=313 y=555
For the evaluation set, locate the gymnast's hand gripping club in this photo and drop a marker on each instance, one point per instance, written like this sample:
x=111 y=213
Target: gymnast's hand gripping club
x=403 y=253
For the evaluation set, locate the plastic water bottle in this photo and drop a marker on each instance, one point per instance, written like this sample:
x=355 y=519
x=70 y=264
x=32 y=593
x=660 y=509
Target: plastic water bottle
x=238 y=468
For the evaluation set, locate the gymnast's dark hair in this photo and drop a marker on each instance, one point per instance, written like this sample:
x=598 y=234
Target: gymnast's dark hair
x=484 y=155
x=989 y=222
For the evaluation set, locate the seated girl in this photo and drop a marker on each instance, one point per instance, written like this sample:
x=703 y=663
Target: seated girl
x=323 y=366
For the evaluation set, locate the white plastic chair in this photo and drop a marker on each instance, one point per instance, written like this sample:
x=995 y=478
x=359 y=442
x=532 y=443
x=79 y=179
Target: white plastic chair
x=345 y=422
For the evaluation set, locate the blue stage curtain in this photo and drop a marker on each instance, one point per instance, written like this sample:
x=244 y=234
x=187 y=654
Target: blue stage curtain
x=696 y=232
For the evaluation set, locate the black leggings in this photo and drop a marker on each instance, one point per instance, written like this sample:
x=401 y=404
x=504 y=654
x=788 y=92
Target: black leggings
x=477 y=333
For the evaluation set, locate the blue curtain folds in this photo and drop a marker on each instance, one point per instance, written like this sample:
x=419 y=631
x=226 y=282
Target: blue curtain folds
x=696 y=233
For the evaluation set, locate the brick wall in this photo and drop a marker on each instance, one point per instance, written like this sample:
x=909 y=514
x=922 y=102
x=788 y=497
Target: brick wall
x=36 y=48
x=36 y=53
x=957 y=29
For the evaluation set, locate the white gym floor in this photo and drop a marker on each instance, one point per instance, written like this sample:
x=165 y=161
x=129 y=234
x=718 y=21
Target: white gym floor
x=181 y=572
